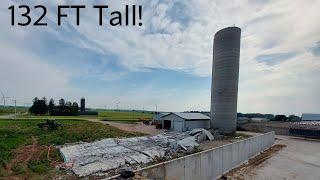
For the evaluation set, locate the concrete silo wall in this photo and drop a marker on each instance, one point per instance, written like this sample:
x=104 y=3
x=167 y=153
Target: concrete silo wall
x=225 y=76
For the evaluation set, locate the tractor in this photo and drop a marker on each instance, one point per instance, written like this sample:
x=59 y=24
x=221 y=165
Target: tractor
x=50 y=124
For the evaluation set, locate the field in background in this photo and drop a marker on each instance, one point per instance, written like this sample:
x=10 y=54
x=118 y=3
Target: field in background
x=10 y=110
x=104 y=115
x=125 y=116
x=31 y=116
x=27 y=152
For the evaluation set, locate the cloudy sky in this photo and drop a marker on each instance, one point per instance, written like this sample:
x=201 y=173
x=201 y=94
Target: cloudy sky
x=168 y=60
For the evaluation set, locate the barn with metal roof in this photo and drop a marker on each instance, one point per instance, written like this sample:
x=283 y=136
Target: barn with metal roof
x=185 y=121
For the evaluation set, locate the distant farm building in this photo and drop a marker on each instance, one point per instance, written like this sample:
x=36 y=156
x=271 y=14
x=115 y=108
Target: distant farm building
x=243 y=119
x=259 y=119
x=247 y=119
x=183 y=121
x=310 y=117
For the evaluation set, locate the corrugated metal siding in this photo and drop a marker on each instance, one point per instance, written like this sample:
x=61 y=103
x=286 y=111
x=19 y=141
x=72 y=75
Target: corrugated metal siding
x=190 y=125
x=174 y=119
x=178 y=126
x=192 y=116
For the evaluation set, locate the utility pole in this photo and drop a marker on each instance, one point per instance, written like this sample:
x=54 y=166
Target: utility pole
x=15 y=108
x=4 y=99
x=156 y=108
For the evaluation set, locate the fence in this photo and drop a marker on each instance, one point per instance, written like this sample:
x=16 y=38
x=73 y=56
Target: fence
x=212 y=163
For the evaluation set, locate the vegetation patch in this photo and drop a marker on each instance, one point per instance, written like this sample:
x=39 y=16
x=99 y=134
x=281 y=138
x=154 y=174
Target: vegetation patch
x=11 y=110
x=125 y=116
x=29 y=152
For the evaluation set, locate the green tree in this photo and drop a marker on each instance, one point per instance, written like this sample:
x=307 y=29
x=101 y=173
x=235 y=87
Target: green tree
x=294 y=118
x=62 y=102
x=282 y=118
x=74 y=108
x=39 y=107
x=68 y=104
x=51 y=105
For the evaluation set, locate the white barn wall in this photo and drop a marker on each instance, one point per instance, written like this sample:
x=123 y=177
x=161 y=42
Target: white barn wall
x=174 y=118
x=179 y=124
x=197 y=124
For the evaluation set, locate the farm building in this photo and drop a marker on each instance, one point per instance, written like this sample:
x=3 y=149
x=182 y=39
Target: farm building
x=259 y=119
x=243 y=119
x=310 y=117
x=184 y=121
x=159 y=116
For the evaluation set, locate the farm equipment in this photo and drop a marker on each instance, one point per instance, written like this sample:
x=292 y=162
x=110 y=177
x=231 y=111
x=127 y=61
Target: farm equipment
x=50 y=124
x=146 y=122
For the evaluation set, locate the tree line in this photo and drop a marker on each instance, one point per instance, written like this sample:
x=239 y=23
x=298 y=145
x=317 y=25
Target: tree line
x=63 y=108
x=271 y=117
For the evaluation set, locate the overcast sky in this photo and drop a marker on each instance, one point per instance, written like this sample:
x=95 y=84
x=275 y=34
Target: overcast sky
x=168 y=60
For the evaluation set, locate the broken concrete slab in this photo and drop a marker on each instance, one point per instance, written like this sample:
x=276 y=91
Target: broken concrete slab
x=109 y=154
x=188 y=143
x=201 y=134
x=209 y=135
x=196 y=131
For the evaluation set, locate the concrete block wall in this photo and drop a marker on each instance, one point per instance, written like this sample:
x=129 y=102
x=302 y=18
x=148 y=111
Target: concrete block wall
x=212 y=163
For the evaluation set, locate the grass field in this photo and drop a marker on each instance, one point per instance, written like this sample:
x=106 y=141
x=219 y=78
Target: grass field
x=124 y=116
x=27 y=152
x=31 y=116
x=10 y=110
x=121 y=116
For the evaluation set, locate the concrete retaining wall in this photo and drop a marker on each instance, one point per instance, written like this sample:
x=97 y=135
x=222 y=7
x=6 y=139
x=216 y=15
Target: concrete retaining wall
x=212 y=163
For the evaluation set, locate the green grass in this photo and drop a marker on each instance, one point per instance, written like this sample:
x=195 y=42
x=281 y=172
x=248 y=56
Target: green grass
x=15 y=134
x=10 y=110
x=120 y=116
x=31 y=116
x=124 y=116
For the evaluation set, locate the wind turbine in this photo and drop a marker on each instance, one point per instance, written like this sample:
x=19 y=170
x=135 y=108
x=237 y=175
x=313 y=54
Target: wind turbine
x=4 y=99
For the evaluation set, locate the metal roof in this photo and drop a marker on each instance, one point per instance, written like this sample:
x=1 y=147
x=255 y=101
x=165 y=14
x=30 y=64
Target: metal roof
x=192 y=116
x=310 y=117
x=160 y=115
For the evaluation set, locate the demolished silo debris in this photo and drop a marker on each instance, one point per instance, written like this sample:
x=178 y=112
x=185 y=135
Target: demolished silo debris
x=109 y=154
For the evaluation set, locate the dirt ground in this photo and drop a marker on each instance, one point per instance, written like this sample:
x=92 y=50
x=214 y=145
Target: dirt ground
x=132 y=127
x=24 y=155
x=137 y=127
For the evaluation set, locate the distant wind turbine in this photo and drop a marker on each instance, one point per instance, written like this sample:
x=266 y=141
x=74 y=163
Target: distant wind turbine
x=4 y=98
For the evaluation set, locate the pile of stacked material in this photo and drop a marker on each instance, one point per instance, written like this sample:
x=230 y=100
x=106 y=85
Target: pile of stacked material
x=108 y=154
x=311 y=125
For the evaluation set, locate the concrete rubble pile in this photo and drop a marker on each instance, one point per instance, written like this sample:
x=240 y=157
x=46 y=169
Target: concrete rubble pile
x=108 y=154
x=201 y=135
x=311 y=125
